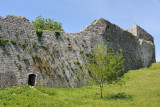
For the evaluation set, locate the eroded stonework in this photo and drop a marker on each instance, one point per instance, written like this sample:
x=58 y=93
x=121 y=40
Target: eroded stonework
x=56 y=58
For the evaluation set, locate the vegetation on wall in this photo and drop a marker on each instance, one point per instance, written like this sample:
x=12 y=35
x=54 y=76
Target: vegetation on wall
x=19 y=67
x=3 y=42
x=41 y=24
x=14 y=42
x=24 y=44
x=42 y=65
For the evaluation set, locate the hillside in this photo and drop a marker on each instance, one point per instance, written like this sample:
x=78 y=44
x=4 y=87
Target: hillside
x=141 y=89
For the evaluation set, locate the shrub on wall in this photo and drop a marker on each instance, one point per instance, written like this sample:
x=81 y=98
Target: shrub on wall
x=45 y=47
x=25 y=59
x=24 y=45
x=77 y=63
x=19 y=67
x=18 y=56
x=63 y=71
x=3 y=42
x=41 y=24
x=69 y=47
x=81 y=51
x=13 y=42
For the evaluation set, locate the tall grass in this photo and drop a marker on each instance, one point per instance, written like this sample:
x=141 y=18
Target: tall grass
x=141 y=89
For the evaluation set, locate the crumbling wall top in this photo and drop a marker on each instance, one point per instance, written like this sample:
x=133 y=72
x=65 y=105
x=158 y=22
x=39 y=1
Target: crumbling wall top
x=141 y=33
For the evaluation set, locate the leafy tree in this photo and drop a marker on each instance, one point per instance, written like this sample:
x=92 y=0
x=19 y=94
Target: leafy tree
x=41 y=24
x=104 y=65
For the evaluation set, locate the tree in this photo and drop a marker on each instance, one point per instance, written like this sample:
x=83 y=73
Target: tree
x=41 y=24
x=104 y=65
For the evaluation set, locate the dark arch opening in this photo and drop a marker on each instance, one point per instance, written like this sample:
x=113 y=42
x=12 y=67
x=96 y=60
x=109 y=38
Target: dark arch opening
x=31 y=79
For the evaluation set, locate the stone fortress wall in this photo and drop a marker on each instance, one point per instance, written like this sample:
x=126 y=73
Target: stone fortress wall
x=56 y=58
x=146 y=43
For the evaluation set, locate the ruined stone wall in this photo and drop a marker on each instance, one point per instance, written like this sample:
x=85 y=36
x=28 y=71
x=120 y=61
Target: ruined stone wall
x=56 y=58
x=146 y=45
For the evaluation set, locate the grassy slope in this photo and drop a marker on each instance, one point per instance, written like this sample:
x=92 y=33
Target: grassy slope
x=142 y=89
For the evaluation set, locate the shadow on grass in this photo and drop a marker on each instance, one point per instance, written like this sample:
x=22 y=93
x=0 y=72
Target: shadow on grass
x=121 y=96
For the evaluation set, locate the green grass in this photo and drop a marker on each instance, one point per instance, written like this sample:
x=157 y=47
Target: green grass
x=141 y=89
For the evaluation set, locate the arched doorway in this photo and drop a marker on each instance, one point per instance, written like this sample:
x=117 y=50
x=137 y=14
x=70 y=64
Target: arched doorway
x=31 y=79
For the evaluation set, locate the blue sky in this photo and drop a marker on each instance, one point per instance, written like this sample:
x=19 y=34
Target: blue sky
x=76 y=14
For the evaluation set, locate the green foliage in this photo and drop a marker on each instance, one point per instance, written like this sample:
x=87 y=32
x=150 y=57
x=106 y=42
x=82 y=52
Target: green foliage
x=36 y=58
x=89 y=54
x=45 y=47
x=47 y=60
x=141 y=89
x=24 y=44
x=55 y=50
x=39 y=34
x=41 y=24
x=19 y=43
x=39 y=67
x=94 y=20
x=3 y=42
x=33 y=58
x=69 y=46
x=13 y=42
x=53 y=59
x=35 y=46
x=4 y=48
x=51 y=54
x=77 y=63
x=63 y=71
x=104 y=66
x=81 y=51
x=55 y=68
x=68 y=38
x=25 y=59
x=76 y=42
x=19 y=67
x=80 y=67
x=18 y=56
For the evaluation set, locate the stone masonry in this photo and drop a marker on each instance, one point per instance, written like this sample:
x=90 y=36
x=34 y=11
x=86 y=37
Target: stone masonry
x=56 y=58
